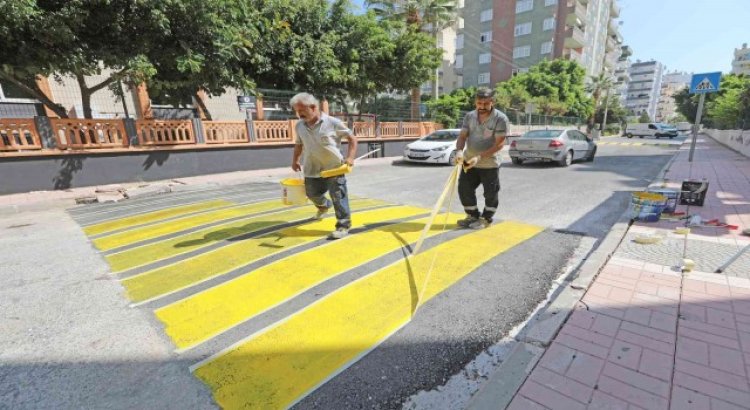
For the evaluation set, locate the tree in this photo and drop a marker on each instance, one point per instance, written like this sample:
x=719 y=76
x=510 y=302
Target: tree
x=42 y=39
x=556 y=86
x=644 y=118
x=597 y=86
x=420 y=15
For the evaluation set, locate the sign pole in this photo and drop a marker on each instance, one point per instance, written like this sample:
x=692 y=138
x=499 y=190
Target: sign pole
x=697 y=124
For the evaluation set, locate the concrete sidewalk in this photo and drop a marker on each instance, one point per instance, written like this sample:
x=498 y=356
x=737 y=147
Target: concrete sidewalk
x=648 y=336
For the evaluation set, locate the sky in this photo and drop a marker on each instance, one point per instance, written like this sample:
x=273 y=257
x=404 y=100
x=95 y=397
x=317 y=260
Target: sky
x=685 y=35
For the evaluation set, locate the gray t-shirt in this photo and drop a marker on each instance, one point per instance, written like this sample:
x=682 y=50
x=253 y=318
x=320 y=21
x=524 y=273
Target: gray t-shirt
x=321 y=144
x=482 y=136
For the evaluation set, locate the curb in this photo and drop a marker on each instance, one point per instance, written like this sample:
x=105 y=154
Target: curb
x=539 y=332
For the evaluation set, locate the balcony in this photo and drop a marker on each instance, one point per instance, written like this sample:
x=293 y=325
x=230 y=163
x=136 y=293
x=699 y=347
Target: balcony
x=574 y=38
x=576 y=15
x=611 y=45
x=614 y=10
x=574 y=55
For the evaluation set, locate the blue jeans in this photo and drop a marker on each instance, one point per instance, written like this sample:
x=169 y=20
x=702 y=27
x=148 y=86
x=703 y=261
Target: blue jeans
x=315 y=188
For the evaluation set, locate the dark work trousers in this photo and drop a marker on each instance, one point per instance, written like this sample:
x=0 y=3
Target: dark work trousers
x=469 y=181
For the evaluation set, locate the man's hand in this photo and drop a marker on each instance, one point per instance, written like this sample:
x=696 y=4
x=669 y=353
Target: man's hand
x=350 y=162
x=459 y=158
x=296 y=167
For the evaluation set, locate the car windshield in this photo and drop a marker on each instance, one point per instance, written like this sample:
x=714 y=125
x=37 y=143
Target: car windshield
x=542 y=134
x=443 y=136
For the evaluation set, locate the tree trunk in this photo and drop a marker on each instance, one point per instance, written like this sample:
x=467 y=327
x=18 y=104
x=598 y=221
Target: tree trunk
x=606 y=107
x=202 y=105
x=85 y=96
x=436 y=85
x=592 y=119
x=415 y=100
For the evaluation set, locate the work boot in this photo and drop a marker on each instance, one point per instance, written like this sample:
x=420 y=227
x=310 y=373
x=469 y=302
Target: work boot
x=321 y=212
x=339 y=233
x=466 y=222
x=480 y=223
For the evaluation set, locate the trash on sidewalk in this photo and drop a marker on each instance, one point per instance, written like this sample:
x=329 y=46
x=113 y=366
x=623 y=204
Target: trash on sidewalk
x=687 y=265
x=647 y=206
x=88 y=199
x=731 y=260
x=650 y=238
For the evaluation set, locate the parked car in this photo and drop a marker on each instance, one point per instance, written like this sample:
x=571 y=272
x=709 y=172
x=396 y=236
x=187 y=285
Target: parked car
x=438 y=147
x=562 y=146
x=651 y=129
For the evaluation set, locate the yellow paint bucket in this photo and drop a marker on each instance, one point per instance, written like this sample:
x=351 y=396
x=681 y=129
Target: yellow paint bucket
x=293 y=191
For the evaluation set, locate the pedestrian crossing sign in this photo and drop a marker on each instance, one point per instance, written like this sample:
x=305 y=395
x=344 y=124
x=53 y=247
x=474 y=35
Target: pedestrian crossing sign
x=705 y=83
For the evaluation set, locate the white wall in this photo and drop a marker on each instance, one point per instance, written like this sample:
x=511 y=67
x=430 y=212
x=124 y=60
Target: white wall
x=737 y=140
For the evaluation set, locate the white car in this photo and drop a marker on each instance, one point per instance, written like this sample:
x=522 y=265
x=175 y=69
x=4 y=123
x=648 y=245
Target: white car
x=438 y=147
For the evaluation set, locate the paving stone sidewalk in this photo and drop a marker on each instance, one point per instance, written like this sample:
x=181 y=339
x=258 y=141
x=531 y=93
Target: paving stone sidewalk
x=648 y=336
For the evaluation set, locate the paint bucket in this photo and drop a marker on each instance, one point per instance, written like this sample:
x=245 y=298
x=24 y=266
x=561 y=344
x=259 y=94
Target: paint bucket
x=647 y=206
x=293 y=191
x=672 y=195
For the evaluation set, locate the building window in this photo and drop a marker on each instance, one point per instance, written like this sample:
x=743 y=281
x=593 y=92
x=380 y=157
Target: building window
x=484 y=78
x=522 y=29
x=460 y=23
x=460 y=41
x=485 y=15
x=459 y=61
x=546 y=47
x=484 y=58
x=486 y=37
x=549 y=24
x=523 y=51
x=524 y=5
x=550 y=2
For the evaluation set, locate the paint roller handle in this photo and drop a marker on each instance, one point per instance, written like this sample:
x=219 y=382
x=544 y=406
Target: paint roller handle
x=360 y=157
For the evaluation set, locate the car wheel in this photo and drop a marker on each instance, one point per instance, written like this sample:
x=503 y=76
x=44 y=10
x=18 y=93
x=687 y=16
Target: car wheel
x=671 y=137
x=629 y=135
x=567 y=159
x=452 y=157
x=516 y=160
x=590 y=158
x=640 y=136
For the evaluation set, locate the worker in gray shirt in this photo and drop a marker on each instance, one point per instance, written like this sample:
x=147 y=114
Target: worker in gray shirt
x=318 y=144
x=483 y=135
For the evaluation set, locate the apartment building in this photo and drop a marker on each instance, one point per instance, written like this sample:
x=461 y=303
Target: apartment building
x=448 y=78
x=672 y=83
x=741 y=62
x=502 y=37
x=622 y=73
x=644 y=87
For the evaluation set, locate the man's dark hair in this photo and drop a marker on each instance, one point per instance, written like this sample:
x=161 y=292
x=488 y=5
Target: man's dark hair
x=484 y=92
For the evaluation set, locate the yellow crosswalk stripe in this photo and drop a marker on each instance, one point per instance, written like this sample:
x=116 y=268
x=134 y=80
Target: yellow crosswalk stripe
x=278 y=366
x=189 y=272
x=154 y=216
x=202 y=316
x=146 y=254
x=165 y=228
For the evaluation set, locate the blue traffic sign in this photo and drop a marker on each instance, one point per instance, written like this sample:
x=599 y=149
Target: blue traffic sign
x=705 y=83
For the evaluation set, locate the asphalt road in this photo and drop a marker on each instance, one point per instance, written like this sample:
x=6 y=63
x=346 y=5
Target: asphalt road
x=69 y=339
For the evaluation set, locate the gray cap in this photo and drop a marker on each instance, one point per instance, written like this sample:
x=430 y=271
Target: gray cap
x=484 y=92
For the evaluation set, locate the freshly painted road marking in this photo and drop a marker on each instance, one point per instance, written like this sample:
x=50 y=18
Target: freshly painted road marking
x=280 y=365
x=189 y=272
x=135 y=235
x=207 y=314
x=147 y=254
x=149 y=217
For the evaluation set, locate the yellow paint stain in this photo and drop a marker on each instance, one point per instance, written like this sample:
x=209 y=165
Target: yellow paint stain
x=280 y=365
x=207 y=314
x=150 y=217
x=188 y=272
x=147 y=254
x=169 y=227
